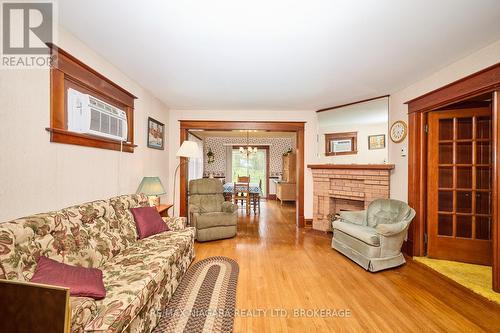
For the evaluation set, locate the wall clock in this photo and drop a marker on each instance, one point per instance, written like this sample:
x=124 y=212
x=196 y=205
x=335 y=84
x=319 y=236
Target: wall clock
x=398 y=131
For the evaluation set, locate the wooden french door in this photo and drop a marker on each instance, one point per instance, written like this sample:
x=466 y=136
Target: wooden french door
x=459 y=204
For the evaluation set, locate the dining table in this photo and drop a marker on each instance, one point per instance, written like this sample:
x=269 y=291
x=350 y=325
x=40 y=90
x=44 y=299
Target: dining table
x=254 y=188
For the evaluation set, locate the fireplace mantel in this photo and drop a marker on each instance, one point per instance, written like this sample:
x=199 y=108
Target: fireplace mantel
x=338 y=187
x=352 y=166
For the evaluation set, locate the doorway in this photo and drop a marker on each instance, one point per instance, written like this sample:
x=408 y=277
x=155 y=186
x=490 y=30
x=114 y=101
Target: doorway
x=484 y=82
x=295 y=128
x=459 y=206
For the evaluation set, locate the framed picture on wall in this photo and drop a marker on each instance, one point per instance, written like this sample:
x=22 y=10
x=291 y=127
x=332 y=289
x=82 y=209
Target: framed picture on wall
x=156 y=134
x=376 y=141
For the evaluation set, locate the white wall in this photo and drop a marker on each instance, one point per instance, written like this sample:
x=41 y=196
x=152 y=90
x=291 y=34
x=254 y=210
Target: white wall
x=364 y=155
x=38 y=176
x=309 y=116
x=475 y=62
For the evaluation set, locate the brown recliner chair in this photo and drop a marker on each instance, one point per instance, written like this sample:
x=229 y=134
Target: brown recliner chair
x=212 y=216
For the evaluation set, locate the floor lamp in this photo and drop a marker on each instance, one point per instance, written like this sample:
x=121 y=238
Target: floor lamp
x=188 y=149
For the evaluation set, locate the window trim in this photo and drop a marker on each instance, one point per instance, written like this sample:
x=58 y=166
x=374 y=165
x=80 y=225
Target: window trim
x=69 y=72
x=352 y=136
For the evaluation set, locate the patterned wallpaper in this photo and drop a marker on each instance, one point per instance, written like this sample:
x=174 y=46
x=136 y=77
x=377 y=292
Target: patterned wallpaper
x=277 y=146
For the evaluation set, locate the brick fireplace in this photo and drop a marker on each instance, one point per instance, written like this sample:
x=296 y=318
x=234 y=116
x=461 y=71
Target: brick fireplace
x=340 y=187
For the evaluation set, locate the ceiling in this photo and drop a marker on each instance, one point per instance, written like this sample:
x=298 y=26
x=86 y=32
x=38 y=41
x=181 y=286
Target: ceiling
x=242 y=134
x=279 y=54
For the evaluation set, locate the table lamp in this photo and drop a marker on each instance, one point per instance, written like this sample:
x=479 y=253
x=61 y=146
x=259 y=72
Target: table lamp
x=153 y=188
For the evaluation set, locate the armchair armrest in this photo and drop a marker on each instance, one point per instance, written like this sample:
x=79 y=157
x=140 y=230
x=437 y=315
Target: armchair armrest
x=175 y=223
x=229 y=207
x=391 y=229
x=354 y=217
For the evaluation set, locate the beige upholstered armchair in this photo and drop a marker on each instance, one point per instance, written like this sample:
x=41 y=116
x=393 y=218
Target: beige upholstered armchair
x=372 y=238
x=212 y=216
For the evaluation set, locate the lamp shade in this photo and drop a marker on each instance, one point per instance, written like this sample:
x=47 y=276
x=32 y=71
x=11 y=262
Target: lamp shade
x=151 y=186
x=188 y=149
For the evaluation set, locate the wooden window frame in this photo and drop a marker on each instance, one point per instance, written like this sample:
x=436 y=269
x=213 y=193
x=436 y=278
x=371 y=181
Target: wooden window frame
x=353 y=136
x=69 y=72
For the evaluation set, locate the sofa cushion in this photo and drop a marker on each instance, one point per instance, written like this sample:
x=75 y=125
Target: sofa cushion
x=83 y=309
x=92 y=234
x=81 y=281
x=24 y=240
x=365 y=234
x=175 y=223
x=148 y=221
x=216 y=219
x=133 y=276
x=121 y=206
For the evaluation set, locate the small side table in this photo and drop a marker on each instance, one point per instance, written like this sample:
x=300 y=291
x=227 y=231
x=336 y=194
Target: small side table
x=163 y=210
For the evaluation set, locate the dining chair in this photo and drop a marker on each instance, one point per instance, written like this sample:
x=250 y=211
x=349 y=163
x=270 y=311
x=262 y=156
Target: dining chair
x=255 y=201
x=241 y=193
x=243 y=179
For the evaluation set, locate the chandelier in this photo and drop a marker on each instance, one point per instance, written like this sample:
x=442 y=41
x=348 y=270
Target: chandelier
x=248 y=151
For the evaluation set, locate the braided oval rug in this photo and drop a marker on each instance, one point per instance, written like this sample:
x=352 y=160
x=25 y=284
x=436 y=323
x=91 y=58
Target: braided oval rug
x=205 y=299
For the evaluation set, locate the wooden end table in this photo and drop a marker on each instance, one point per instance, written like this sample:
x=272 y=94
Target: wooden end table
x=163 y=209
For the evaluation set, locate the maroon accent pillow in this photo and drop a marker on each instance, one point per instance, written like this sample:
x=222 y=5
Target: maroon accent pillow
x=148 y=221
x=81 y=281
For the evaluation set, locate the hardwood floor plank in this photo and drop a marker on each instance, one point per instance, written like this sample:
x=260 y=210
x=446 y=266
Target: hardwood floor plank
x=282 y=267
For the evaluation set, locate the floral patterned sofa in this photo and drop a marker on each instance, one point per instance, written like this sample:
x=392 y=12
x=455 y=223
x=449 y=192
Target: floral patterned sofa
x=139 y=275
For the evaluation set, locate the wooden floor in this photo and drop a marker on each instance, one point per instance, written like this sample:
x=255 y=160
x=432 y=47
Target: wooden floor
x=282 y=267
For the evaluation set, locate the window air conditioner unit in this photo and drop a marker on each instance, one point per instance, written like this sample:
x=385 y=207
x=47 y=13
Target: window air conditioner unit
x=90 y=115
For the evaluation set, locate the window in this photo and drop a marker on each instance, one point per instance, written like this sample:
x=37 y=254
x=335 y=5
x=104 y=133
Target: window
x=254 y=165
x=341 y=143
x=110 y=123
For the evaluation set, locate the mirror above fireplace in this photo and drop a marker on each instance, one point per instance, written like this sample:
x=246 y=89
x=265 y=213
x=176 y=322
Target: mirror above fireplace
x=354 y=133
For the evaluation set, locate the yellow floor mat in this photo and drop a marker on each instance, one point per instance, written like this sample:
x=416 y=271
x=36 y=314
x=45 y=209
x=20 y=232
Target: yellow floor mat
x=474 y=277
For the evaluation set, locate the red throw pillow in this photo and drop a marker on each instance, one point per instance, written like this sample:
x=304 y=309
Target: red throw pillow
x=81 y=281
x=148 y=221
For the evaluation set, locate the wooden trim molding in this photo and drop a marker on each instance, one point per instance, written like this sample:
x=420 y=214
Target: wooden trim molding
x=291 y=126
x=484 y=81
x=69 y=72
x=352 y=103
x=352 y=166
x=496 y=191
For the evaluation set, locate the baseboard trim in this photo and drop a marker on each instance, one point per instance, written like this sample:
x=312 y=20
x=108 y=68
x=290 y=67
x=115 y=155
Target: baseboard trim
x=271 y=197
x=308 y=223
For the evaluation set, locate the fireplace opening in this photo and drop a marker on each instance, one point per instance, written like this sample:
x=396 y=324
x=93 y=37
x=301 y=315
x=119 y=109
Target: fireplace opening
x=338 y=205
